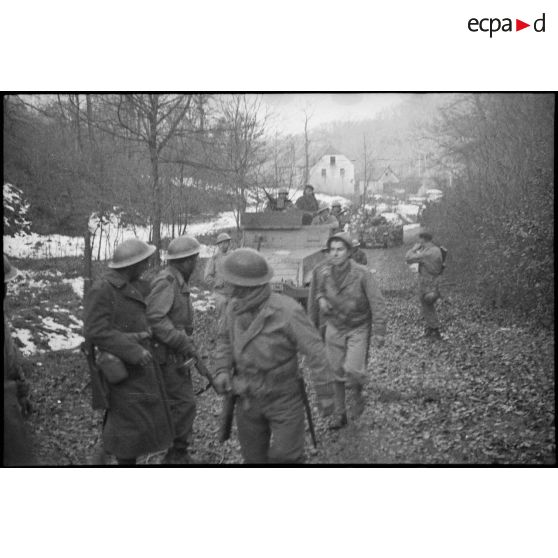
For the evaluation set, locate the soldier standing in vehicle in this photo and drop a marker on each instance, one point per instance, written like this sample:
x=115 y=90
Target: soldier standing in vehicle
x=282 y=202
x=137 y=419
x=213 y=275
x=349 y=299
x=339 y=214
x=171 y=317
x=17 y=449
x=324 y=218
x=358 y=254
x=308 y=202
x=428 y=256
x=260 y=338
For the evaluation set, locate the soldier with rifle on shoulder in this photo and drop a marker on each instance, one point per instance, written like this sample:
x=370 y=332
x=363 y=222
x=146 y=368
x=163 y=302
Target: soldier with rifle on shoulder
x=260 y=338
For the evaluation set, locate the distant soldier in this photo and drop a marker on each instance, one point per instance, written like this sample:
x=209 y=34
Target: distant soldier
x=282 y=202
x=17 y=444
x=349 y=299
x=213 y=275
x=428 y=256
x=137 y=419
x=171 y=317
x=357 y=254
x=308 y=202
x=338 y=213
x=260 y=338
x=324 y=218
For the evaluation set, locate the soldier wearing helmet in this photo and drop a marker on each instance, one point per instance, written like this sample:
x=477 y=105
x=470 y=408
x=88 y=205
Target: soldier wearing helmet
x=171 y=317
x=282 y=202
x=346 y=295
x=260 y=337
x=308 y=202
x=339 y=213
x=357 y=254
x=213 y=275
x=324 y=218
x=137 y=420
x=428 y=256
x=17 y=449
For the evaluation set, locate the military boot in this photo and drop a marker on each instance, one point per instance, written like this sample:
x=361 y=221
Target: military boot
x=359 y=401
x=338 y=422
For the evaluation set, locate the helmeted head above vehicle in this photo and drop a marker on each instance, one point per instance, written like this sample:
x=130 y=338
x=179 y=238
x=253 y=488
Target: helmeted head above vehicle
x=183 y=247
x=131 y=252
x=246 y=267
x=323 y=207
x=425 y=235
x=283 y=191
x=308 y=189
x=356 y=242
x=222 y=237
x=336 y=203
x=10 y=272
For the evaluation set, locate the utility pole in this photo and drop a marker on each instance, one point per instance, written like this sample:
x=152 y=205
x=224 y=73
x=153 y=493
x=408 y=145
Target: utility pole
x=306 y=155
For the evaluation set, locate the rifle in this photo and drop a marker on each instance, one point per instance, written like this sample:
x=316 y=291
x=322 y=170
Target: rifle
x=227 y=414
x=202 y=371
x=308 y=411
x=98 y=385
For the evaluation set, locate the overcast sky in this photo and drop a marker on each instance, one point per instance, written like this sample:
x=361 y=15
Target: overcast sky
x=288 y=108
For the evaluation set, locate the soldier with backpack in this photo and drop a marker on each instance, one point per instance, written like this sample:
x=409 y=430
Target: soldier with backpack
x=431 y=262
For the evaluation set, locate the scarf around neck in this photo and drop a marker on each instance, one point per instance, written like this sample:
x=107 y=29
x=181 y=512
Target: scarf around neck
x=246 y=308
x=339 y=272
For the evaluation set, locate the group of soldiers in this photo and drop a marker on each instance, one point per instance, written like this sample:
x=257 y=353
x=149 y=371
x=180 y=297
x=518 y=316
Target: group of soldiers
x=142 y=349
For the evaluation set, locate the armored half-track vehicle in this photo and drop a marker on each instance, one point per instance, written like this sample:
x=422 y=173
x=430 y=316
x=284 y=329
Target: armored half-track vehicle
x=291 y=248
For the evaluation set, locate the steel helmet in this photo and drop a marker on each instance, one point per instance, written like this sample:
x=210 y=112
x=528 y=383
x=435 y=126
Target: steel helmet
x=309 y=186
x=9 y=270
x=356 y=242
x=336 y=203
x=130 y=252
x=223 y=237
x=344 y=237
x=283 y=190
x=247 y=268
x=183 y=247
x=323 y=207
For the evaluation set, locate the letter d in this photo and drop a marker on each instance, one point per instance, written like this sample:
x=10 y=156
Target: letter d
x=535 y=27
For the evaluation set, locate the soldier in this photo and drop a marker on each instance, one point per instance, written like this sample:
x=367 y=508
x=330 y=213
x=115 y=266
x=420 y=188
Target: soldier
x=137 y=420
x=171 y=317
x=430 y=262
x=308 y=202
x=213 y=275
x=282 y=202
x=17 y=446
x=339 y=214
x=350 y=300
x=260 y=338
x=324 y=218
x=357 y=254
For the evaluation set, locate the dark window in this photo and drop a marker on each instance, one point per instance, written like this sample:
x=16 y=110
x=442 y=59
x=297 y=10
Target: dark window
x=332 y=160
x=323 y=173
x=342 y=172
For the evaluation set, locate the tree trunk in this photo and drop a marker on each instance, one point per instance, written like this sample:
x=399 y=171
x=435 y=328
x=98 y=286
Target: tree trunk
x=87 y=256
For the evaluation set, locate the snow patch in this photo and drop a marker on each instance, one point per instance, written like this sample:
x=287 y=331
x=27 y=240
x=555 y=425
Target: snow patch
x=24 y=335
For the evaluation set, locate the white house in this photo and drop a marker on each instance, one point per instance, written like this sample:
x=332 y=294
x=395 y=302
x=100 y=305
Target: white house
x=333 y=174
x=384 y=184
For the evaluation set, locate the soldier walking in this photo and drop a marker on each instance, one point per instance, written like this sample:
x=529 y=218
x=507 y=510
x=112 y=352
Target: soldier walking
x=428 y=256
x=171 y=317
x=260 y=338
x=137 y=419
x=350 y=301
x=213 y=275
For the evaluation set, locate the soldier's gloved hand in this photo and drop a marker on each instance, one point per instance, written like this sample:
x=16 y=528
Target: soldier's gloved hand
x=146 y=358
x=325 y=306
x=222 y=382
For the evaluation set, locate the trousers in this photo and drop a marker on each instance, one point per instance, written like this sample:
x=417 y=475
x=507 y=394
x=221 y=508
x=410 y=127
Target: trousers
x=182 y=402
x=271 y=428
x=429 y=313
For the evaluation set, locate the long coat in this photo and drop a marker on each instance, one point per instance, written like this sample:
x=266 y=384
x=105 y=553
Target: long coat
x=138 y=419
x=430 y=269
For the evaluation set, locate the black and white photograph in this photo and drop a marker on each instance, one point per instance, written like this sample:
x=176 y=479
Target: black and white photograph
x=243 y=278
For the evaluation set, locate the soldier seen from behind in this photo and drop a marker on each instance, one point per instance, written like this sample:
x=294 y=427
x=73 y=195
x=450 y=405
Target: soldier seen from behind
x=126 y=379
x=171 y=317
x=430 y=262
x=349 y=299
x=17 y=448
x=256 y=358
x=213 y=274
